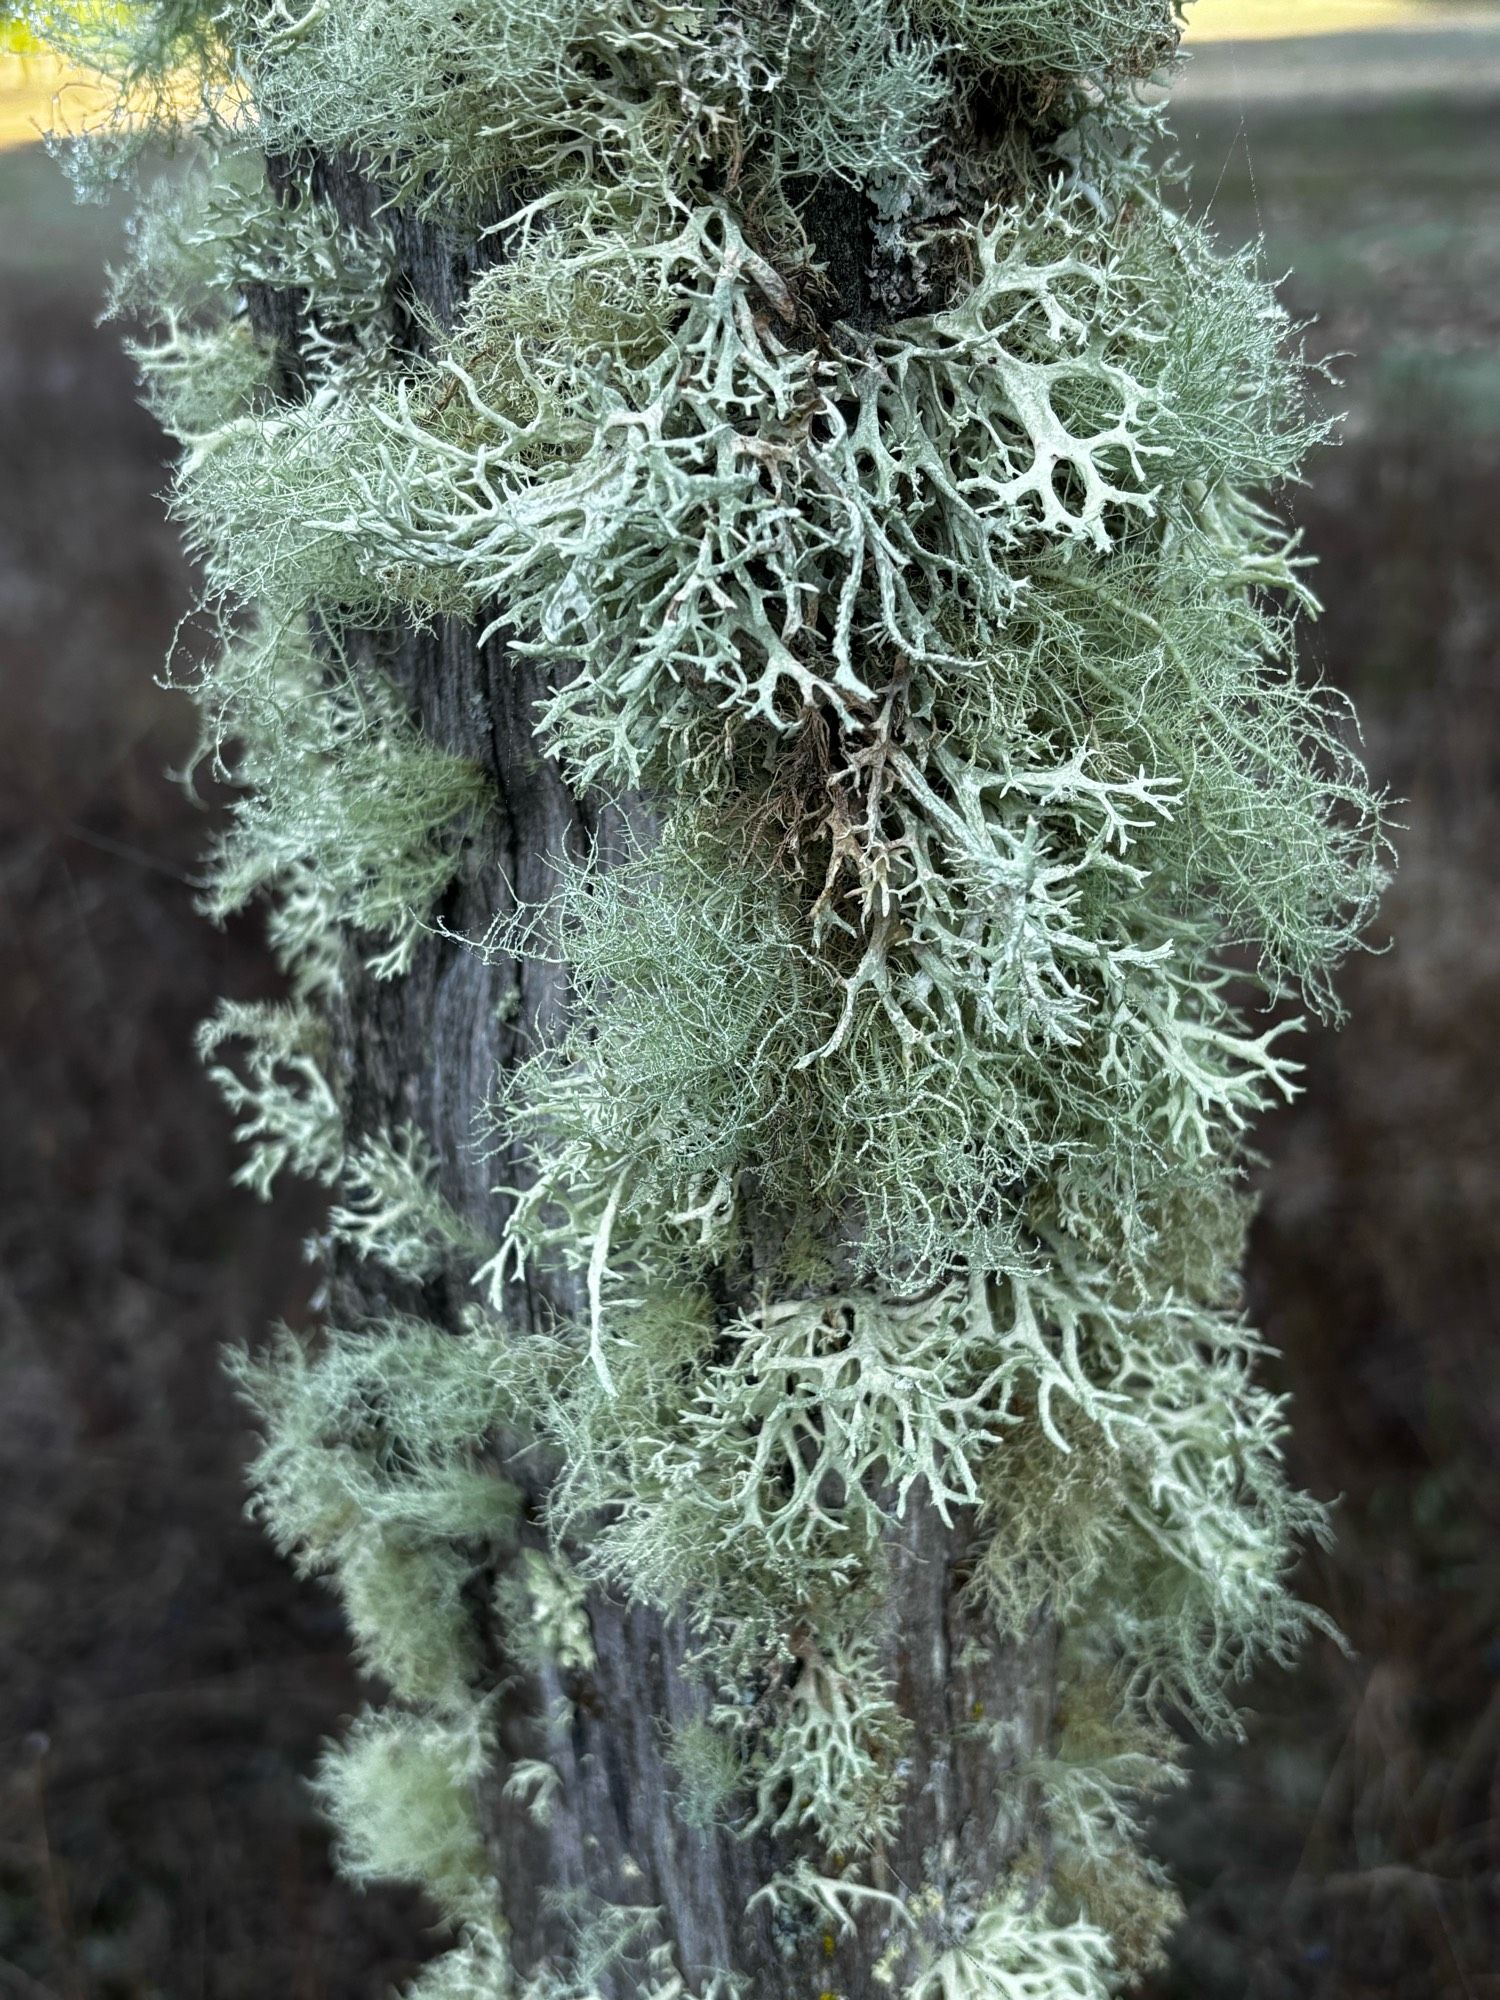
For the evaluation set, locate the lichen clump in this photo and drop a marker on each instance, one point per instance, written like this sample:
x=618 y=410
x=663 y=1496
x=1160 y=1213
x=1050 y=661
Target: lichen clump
x=846 y=413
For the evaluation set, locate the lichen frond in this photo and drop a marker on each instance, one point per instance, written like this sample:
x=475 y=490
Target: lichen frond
x=915 y=569
x=167 y=65
x=542 y=1606
x=286 y=1115
x=208 y=241
x=399 y=1789
x=371 y=1473
x=391 y=1209
x=821 y=1747
x=898 y=1095
x=1006 y=1950
x=449 y=106
x=1062 y=38
x=348 y=817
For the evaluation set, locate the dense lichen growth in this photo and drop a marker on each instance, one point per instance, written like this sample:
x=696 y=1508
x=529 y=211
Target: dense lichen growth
x=909 y=565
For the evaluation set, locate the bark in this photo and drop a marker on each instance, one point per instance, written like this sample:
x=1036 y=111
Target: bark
x=426 y=1049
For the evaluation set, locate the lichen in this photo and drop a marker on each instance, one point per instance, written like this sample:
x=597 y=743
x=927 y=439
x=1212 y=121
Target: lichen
x=372 y=1474
x=894 y=1143
x=400 y=1792
x=1073 y=38
x=348 y=817
x=1004 y=1951
x=286 y=1115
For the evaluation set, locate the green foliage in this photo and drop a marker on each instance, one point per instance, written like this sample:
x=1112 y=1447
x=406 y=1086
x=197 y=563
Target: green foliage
x=895 y=1139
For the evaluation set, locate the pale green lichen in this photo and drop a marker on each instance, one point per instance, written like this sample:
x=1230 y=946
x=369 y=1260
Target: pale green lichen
x=1004 y=1951
x=452 y=106
x=399 y=1789
x=477 y=1968
x=889 y=506
x=209 y=240
x=615 y=1942
x=371 y=1473
x=894 y=1144
x=392 y=1211
x=825 y=1743
x=542 y=1606
x=348 y=818
x=709 y=1770
x=286 y=1115
x=727 y=1061
x=167 y=63
x=1066 y=38
x=536 y=1784
x=1104 y=1772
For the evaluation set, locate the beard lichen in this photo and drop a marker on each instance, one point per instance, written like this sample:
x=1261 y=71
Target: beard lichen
x=896 y=1139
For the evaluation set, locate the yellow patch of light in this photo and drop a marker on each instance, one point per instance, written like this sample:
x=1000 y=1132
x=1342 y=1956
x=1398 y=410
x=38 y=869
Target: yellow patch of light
x=38 y=92
x=1262 y=20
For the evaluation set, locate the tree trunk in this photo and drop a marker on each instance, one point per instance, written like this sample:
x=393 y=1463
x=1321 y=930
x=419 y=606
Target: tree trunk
x=425 y=1050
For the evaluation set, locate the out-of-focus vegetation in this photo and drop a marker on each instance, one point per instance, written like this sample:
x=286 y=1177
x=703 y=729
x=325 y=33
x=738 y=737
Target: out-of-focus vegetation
x=163 y=1679
x=1353 y=1848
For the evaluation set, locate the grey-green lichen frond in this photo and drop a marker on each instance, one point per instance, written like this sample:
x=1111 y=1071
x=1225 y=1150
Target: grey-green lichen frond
x=896 y=1141
x=347 y=816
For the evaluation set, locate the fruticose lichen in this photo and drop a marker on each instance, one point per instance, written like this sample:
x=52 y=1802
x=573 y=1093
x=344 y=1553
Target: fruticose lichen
x=911 y=566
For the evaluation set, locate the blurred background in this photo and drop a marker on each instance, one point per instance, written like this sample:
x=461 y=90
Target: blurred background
x=164 y=1680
